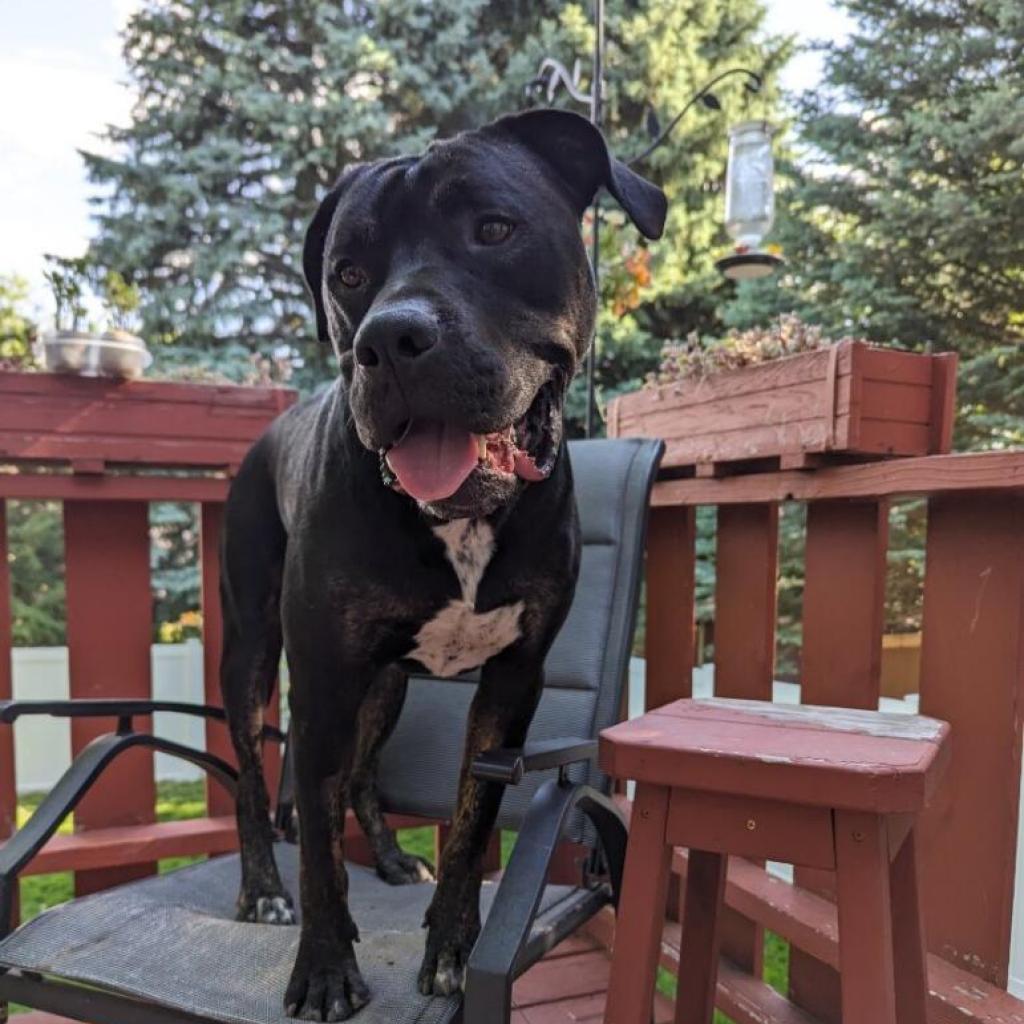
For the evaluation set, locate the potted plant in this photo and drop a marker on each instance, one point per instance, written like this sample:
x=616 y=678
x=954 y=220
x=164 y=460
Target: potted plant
x=789 y=395
x=75 y=345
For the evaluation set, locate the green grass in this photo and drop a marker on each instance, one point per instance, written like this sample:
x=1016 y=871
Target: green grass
x=776 y=962
x=41 y=891
x=420 y=841
x=177 y=801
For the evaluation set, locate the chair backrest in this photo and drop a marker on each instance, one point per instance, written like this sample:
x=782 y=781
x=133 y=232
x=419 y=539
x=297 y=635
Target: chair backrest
x=587 y=666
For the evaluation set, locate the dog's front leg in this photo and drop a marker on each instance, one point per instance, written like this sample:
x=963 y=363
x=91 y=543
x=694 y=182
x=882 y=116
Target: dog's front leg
x=500 y=716
x=377 y=718
x=325 y=984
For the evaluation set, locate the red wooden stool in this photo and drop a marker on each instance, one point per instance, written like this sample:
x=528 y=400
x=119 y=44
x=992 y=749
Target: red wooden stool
x=817 y=787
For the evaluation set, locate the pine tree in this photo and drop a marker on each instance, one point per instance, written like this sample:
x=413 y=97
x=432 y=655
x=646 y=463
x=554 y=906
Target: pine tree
x=35 y=538
x=247 y=111
x=904 y=224
x=173 y=566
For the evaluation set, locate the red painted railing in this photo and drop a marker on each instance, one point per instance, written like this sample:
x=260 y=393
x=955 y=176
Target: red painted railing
x=972 y=676
x=106 y=449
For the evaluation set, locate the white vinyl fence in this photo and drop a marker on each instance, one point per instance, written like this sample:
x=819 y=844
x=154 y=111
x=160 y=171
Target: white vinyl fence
x=42 y=746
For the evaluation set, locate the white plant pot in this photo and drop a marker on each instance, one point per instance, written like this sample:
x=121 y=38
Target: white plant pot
x=114 y=354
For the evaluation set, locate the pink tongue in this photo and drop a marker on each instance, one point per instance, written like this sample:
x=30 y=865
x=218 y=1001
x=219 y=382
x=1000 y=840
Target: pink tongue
x=433 y=459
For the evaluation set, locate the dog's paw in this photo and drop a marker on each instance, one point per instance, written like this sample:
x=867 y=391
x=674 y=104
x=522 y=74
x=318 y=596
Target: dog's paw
x=277 y=909
x=453 y=923
x=442 y=976
x=325 y=992
x=444 y=963
x=405 y=869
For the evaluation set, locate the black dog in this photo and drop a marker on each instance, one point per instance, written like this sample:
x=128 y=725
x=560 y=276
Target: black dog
x=420 y=515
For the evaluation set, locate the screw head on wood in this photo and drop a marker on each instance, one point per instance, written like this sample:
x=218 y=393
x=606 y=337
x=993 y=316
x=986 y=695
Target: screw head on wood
x=858 y=836
x=751 y=824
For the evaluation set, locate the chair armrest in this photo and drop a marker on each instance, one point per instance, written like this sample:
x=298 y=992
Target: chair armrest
x=83 y=771
x=11 y=710
x=503 y=949
x=508 y=765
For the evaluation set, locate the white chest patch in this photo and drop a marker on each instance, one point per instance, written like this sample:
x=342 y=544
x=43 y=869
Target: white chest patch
x=459 y=637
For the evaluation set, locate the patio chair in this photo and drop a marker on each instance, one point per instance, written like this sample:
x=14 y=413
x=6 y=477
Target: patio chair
x=167 y=948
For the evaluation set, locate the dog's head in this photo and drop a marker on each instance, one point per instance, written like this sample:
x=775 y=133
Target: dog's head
x=457 y=292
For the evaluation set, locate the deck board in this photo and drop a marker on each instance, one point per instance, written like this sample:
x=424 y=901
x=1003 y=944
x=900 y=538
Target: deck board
x=569 y=986
x=582 y=1010
x=582 y=974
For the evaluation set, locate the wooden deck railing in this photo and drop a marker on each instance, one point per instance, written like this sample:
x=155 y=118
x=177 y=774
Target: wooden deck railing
x=106 y=450
x=972 y=676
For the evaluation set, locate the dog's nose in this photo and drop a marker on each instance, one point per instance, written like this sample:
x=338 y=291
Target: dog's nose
x=393 y=335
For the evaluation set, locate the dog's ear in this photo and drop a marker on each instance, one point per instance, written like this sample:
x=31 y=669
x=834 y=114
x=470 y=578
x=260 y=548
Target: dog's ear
x=579 y=154
x=313 y=256
x=313 y=248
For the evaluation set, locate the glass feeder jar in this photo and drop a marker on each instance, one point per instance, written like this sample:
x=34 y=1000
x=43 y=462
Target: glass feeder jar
x=749 y=184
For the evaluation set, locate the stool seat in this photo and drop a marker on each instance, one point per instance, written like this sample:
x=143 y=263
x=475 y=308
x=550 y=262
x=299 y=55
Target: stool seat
x=826 y=757
x=830 y=789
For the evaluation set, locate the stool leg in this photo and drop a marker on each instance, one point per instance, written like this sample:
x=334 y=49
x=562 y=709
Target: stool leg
x=909 y=949
x=865 y=919
x=698 y=948
x=641 y=911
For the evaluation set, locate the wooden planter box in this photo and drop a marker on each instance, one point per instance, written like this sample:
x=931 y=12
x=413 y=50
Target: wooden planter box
x=849 y=399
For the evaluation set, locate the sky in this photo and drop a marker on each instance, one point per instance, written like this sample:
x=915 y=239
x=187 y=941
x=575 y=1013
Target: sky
x=62 y=79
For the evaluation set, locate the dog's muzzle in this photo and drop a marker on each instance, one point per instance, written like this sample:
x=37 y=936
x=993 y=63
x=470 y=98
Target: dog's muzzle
x=433 y=459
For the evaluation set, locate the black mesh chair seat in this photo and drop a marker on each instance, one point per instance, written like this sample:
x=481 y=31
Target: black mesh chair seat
x=172 y=940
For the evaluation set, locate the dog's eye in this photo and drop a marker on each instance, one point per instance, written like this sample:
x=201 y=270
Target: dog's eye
x=352 y=276
x=494 y=231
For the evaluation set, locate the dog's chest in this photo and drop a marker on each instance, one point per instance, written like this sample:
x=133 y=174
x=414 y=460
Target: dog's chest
x=458 y=637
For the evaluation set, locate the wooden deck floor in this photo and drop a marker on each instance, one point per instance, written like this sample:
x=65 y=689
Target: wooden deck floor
x=567 y=987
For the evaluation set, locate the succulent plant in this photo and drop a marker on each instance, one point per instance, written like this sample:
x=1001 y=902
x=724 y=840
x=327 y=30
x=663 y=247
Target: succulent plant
x=695 y=357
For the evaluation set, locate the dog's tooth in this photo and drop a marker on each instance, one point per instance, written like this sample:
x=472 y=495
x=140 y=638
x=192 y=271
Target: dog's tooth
x=481 y=443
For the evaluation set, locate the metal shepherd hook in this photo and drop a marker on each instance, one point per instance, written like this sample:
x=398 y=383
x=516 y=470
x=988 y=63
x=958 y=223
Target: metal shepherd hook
x=553 y=75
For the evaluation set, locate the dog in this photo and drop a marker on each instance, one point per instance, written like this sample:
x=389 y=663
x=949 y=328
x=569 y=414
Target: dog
x=419 y=515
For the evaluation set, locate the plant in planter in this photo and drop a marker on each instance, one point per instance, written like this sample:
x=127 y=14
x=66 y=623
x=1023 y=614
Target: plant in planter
x=121 y=300
x=68 y=280
x=695 y=359
x=77 y=346
x=788 y=394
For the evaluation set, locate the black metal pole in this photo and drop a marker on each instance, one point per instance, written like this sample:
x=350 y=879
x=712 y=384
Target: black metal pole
x=596 y=117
